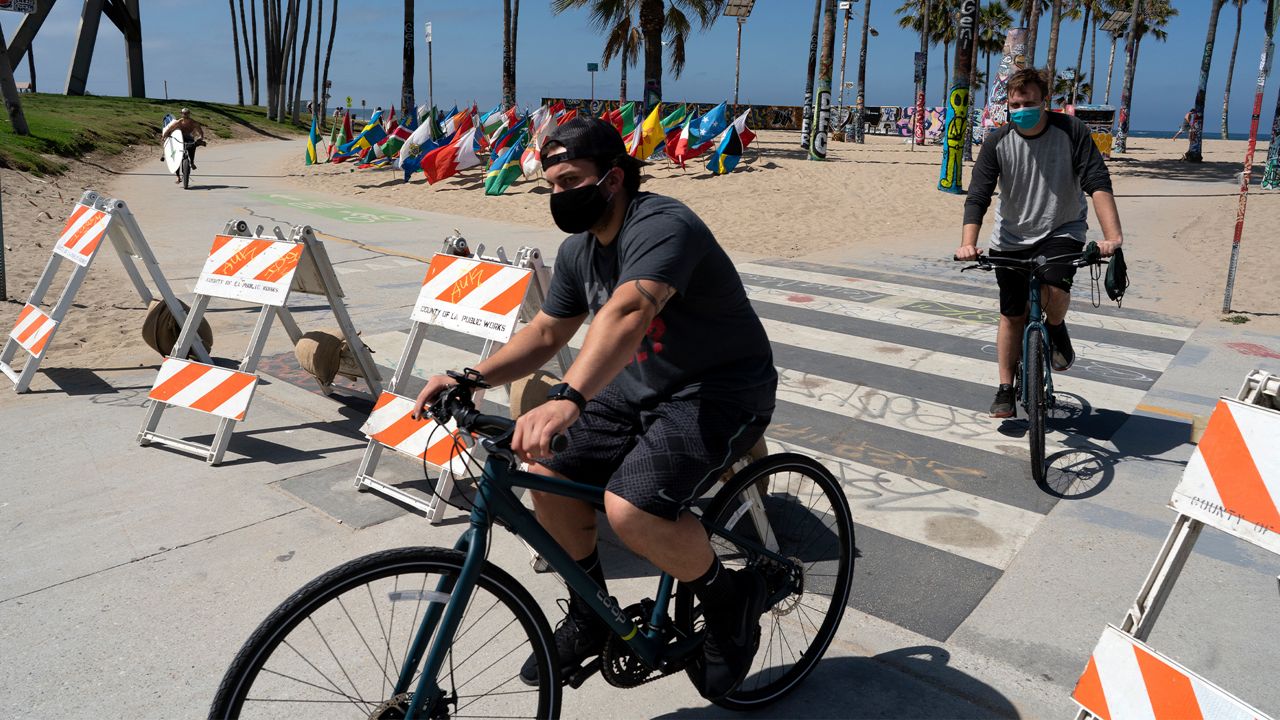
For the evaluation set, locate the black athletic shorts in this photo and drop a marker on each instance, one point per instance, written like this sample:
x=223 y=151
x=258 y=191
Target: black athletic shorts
x=1015 y=283
x=658 y=459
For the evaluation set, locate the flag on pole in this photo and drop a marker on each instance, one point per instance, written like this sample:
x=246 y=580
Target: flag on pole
x=727 y=155
x=627 y=115
x=566 y=117
x=646 y=138
x=445 y=162
x=505 y=170
x=675 y=119
x=531 y=162
x=712 y=124
x=744 y=133
x=513 y=133
x=312 y=140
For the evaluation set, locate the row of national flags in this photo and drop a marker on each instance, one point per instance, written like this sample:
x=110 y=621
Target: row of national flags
x=441 y=144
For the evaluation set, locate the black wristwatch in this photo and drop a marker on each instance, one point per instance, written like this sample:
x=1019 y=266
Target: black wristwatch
x=564 y=392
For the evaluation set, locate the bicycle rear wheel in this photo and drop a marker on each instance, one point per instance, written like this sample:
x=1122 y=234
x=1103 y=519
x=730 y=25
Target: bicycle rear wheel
x=337 y=646
x=1036 y=402
x=791 y=504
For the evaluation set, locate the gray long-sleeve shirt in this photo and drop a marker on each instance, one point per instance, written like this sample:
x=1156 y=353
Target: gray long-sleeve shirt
x=1042 y=179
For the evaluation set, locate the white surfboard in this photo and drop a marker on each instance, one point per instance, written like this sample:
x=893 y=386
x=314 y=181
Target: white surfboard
x=173 y=146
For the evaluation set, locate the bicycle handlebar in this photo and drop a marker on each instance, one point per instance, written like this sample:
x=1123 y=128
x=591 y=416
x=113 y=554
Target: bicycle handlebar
x=1088 y=256
x=456 y=403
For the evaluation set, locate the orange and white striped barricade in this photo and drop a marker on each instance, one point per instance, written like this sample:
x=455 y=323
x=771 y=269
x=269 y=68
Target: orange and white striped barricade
x=1231 y=483
x=93 y=219
x=481 y=297
x=250 y=268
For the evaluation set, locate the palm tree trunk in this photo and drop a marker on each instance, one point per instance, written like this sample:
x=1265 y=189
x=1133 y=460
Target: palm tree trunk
x=250 y=56
x=622 y=89
x=406 y=63
x=1195 y=137
x=235 y=50
x=271 y=42
x=1033 y=25
x=652 y=23
x=506 y=52
x=1226 y=94
x=1084 y=36
x=1093 y=58
x=315 y=68
x=302 y=64
x=290 y=57
x=1111 y=66
x=1055 y=24
x=515 y=33
x=946 y=71
x=986 y=89
x=328 y=53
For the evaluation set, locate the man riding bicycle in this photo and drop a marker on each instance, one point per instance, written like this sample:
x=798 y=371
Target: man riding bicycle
x=192 y=137
x=674 y=382
x=1044 y=162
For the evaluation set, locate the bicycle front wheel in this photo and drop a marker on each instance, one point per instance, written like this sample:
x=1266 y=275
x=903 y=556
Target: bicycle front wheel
x=1036 y=401
x=335 y=649
x=793 y=506
x=186 y=173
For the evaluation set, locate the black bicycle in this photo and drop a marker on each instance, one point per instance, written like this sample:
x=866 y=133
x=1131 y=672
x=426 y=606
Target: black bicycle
x=1033 y=379
x=426 y=632
x=184 y=169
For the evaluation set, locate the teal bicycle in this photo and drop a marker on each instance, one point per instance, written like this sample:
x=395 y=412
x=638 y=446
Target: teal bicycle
x=425 y=632
x=1033 y=379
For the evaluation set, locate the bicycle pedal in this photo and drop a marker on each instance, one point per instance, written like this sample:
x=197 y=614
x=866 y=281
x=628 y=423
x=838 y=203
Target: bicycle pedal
x=579 y=675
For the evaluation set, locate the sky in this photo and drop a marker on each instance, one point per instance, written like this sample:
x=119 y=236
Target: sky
x=187 y=43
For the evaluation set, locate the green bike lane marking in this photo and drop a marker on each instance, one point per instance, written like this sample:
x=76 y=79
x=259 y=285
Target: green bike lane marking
x=336 y=209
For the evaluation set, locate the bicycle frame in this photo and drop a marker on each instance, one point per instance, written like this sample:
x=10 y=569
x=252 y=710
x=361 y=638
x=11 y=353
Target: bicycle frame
x=495 y=499
x=1035 y=315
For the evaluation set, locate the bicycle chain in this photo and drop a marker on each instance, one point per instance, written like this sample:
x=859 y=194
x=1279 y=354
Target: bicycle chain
x=619 y=665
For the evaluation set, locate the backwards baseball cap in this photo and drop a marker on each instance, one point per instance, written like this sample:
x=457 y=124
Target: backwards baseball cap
x=586 y=137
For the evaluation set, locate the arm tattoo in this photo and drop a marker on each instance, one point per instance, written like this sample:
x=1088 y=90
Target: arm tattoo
x=658 y=302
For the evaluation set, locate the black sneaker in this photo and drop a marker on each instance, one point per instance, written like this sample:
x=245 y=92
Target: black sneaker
x=577 y=637
x=732 y=639
x=1061 y=354
x=1003 y=406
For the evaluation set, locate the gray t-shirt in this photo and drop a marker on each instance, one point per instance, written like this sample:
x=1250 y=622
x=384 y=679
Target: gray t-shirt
x=1043 y=180
x=706 y=342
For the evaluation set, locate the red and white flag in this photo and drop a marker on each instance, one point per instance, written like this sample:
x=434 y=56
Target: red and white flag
x=445 y=162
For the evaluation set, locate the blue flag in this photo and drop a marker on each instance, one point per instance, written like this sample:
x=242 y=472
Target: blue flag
x=726 y=157
x=711 y=124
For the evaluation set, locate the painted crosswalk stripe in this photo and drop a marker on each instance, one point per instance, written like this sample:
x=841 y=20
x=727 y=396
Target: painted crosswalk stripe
x=1132 y=357
x=935 y=363
x=967 y=525
x=905 y=294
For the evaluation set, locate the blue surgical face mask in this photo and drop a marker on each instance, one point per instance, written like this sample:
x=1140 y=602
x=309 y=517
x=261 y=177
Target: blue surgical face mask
x=1026 y=118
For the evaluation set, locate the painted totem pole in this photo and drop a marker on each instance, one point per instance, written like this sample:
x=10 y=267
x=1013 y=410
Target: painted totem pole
x=1013 y=59
x=822 y=99
x=955 y=133
x=1271 y=174
x=1195 y=135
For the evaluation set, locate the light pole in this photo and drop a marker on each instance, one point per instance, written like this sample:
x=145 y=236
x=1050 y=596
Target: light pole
x=593 y=68
x=847 y=7
x=739 y=9
x=431 y=98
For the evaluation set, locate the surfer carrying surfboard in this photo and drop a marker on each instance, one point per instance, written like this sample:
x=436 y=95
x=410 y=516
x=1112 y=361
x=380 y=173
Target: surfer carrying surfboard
x=192 y=134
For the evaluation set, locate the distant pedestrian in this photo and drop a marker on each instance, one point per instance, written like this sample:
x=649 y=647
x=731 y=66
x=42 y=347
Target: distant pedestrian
x=1186 y=123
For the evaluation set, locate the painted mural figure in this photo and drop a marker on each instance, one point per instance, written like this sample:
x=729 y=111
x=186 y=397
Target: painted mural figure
x=1013 y=59
x=1043 y=163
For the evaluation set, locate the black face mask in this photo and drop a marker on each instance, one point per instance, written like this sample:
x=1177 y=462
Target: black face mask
x=579 y=209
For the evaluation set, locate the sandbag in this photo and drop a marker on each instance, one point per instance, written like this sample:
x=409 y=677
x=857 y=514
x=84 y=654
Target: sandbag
x=531 y=391
x=160 y=329
x=319 y=352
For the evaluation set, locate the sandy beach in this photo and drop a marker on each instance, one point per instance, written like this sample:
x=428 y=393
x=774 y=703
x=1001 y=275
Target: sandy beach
x=881 y=197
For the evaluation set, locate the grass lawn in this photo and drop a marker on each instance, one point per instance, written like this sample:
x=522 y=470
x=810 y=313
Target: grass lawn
x=71 y=127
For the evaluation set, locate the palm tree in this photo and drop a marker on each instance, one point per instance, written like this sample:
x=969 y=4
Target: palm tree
x=1195 y=137
x=1065 y=85
x=250 y=58
x=1090 y=20
x=659 y=20
x=315 y=67
x=1030 y=10
x=406 y=62
x=302 y=64
x=1062 y=10
x=1153 y=17
x=993 y=20
x=623 y=40
x=235 y=50
x=510 y=21
x=1235 y=42
x=328 y=53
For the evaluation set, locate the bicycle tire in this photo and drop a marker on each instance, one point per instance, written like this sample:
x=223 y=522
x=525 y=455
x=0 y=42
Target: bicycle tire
x=293 y=627
x=787 y=506
x=1036 y=407
x=186 y=173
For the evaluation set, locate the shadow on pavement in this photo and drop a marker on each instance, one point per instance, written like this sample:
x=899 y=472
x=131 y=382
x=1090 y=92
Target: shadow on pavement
x=912 y=682
x=1084 y=469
